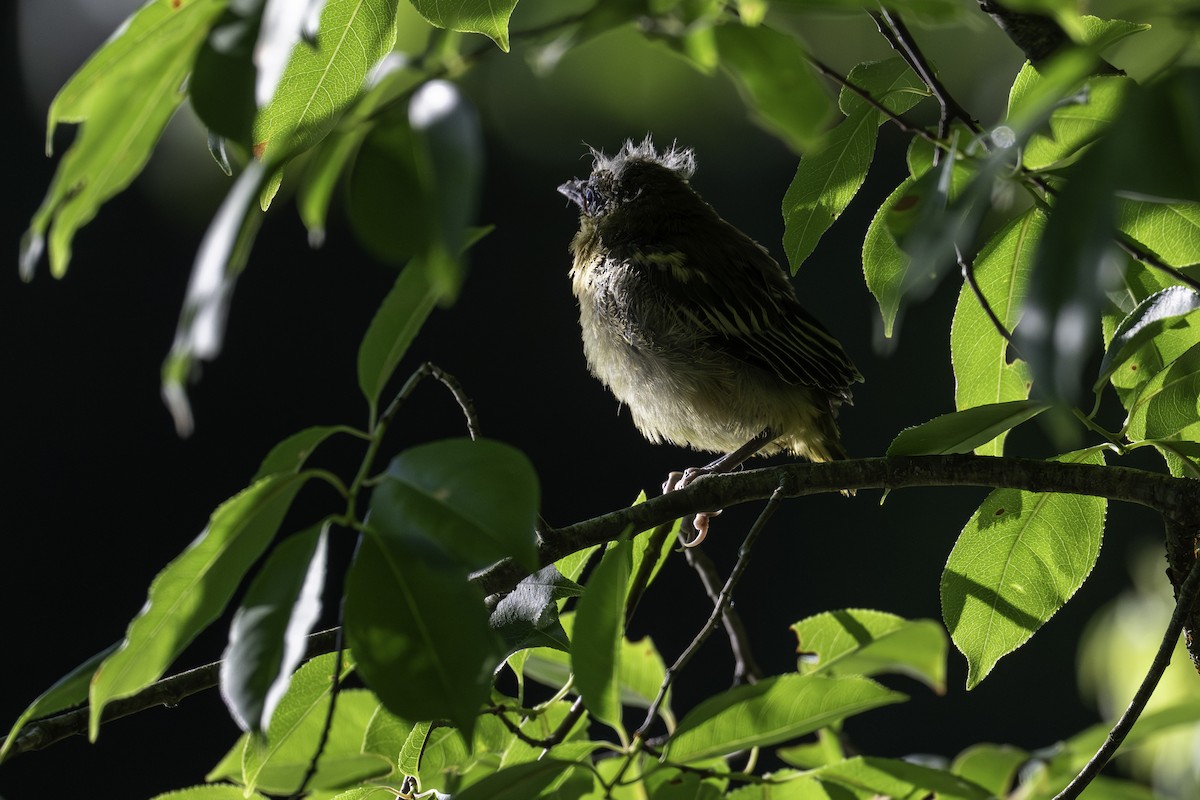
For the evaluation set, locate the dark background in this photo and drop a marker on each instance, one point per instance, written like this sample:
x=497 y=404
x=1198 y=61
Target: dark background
x=100 y=492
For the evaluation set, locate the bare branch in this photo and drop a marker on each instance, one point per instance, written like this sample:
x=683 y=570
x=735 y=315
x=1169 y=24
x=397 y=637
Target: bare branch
x=745 y=667
x=1184 y=606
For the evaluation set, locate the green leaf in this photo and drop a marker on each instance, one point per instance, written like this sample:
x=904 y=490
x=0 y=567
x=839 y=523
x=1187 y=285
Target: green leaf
x=448 y=148
x=643 y=549
x=477 y=500
x=414 y=744
x=983 y=374
x=963 y=431
x=267 y=638
x=1072 y=125
x=385 y=735
x=124 y=95
x=391 y=79
x=884 y=263
x=489 y=17
x=1168 y=405
x=193 y=590
x=277 y=763
x=218 y=792
x=771 y=711
x=891 y=777
x=1169 y=230
x=320 y=82
x=1019 y=559
x=1170 y=308
x=290 y=455
x=862 y=642
x=222 y=256
x=418 y=630
x=830 y=175
x=773 y=75
x=393 y=328
x=518 y=782
x=528 y=615
x=69 y=690
x=599 y=624
x=991 y=766
x=221 y=86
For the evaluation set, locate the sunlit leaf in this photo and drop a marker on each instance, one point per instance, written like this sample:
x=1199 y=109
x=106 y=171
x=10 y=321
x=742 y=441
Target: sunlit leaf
x=599 y=624
x=963 y=431
x=991 y=766
x=320 y=81
x=267 y=637
x=1168 y=405
x=830 y=175
x=528 y=615
x=193 y=590
x=123 y=96
x=983 y=374
x=1019 y=559
x=1170 y=308
x=771 y=711
x=774 y=76
x=517 y=782
x=862 y=642
x=489 y=17
x=891 y=777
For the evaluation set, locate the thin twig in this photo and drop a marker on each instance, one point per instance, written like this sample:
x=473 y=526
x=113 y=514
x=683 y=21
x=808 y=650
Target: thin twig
x=893 y=29
x=428 y=370
x=745 y=667
x=1139 y=252
x=1187 y=598
x=878 y=105
x=968 y=272
x=334 y=689
x=739 y=568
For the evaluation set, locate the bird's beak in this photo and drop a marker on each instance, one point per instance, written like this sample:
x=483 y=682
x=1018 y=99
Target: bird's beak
x=573 y=191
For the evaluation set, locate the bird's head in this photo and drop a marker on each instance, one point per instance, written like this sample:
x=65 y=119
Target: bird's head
x=637 y=178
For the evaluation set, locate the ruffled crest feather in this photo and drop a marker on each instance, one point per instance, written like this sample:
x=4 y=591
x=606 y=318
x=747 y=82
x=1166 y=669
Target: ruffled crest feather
x=680 y=160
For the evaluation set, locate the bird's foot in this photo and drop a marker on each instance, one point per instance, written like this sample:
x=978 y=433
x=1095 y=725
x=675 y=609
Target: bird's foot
x=680 y=480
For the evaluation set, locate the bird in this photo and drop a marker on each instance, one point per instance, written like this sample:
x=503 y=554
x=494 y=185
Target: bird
x=692 y=325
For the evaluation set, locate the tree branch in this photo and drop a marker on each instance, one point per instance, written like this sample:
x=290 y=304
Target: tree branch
x=1038 y=36
x=1154 y=490
x=1176 y=498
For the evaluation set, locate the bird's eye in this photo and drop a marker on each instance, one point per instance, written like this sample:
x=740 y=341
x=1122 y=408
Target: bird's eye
x=589 y=199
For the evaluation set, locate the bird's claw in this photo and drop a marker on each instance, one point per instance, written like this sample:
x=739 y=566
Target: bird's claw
x=680 y=480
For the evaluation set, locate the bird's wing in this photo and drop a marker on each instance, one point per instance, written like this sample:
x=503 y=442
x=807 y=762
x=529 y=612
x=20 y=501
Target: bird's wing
x=746 y=305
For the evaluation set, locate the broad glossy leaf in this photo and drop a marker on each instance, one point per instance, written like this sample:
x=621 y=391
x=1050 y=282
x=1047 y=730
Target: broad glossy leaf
x=1073 y=125
x=448 y=148
x=1168 y=405
x=1169 y=230
x=857 y=641
x=790 y=784
x=268 y=633
x=528 y=615
x=518 y=782
x=489 y=17
x=291 y=453
x=992 y=766
x=413 y=746
x=642 y=547
x=320 y=81
x=891 y=777
x=393 y=328
x=124 y=95
x=278 y=763
x=419 y=631
x=884 y=263
x=983 y=374
x=210 y=792
x=69 y=690
x=390 y=79
x=963 y=431
x=193 y=590
x=773 y=75
x=598 y=629
x=1019 y=559
x=830 y=175
x=222 y=255
x=1170 y=308
x=476 y=500
x=772 y=711
x=386 y=734
x=221 y=86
